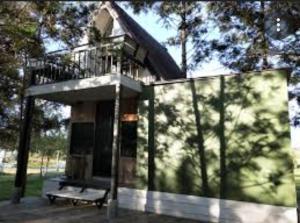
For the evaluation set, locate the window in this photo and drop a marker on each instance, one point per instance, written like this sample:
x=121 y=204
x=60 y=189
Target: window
x=129 y=139
x=82 y=138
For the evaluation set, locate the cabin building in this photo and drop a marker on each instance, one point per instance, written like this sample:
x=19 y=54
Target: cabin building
x=213 y=149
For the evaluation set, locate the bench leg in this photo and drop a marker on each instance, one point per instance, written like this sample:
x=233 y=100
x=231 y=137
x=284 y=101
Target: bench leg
x=51 y=198
x=99 y=203
x=74 y=202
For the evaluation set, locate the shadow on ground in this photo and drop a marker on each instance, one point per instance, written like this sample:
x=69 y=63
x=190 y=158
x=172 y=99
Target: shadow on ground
x=33 y=210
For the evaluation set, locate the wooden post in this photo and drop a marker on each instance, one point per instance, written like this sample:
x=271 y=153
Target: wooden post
x=151 y=141
x=23 y=149
x=112 y=208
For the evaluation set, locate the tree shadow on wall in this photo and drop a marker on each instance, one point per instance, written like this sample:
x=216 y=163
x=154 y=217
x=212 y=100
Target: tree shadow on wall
x=252 y=140
x=231 y=140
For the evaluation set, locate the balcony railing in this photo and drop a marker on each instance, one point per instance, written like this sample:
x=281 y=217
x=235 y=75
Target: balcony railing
x=84 y=62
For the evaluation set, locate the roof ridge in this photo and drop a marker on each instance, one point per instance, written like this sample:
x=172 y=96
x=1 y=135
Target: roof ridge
x=158 y=58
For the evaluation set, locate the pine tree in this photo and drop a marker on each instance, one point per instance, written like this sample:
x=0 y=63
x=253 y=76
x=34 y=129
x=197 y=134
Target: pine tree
x=25 y=28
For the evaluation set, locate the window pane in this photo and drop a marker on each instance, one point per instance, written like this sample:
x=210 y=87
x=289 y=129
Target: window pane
x=82 y=138
x=129 y=137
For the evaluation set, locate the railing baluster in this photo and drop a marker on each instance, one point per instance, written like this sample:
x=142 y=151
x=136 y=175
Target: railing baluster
x=111 y=63
x=130 y=69
x=95 y=62
x=40 y=70
x=87 y=54
x=87 y=66
x=53 y=71
x=85 y=63
x=59 y=70
x=102 y=61
x=106 y=64
x=137 y=72
x=119 y=64
x=50 y=72
x=73 y=62
x=56 y=73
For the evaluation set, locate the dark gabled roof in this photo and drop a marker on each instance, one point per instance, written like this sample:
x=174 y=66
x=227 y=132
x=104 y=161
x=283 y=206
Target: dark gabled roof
x=158 y=59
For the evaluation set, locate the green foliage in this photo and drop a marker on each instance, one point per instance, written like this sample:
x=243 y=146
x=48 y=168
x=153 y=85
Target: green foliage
x=246 y=35
x=254 y=143
x=34 y=185
x=25 y=29
x=241 y=35
x=49 y=144
x=181 y=16
x=243 y=31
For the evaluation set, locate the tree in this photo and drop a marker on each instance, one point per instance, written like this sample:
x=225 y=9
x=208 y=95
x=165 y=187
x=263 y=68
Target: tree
x=249 y=39
x=47 y=146
x=242 y=40
x=25 y=29
x=246 y=37
x=182 y=16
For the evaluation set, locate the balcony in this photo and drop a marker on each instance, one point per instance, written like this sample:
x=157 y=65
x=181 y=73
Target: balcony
x=112 y=56
x=78 y=74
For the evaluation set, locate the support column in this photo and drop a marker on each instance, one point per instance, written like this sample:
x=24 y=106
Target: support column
x=23 y=149
x=23 y=152
x=112 y=207
x=151 y=142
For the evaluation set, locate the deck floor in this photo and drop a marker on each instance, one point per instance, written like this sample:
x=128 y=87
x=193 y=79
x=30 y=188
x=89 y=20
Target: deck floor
x=38 y=210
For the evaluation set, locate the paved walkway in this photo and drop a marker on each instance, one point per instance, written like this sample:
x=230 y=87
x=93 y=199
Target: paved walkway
x=38 y=210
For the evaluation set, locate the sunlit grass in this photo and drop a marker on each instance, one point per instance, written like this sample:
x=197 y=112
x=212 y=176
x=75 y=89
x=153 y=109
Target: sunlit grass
x=33 y=187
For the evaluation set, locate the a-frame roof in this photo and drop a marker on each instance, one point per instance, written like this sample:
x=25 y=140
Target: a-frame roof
x=158 y=60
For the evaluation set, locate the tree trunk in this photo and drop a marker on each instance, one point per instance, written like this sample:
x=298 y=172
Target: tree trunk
x=264 y=40
x=183 y=36
x=22 y=97
x=23 y=152
x=112 y=205
x=25 y=136
x=41 y=166
x=57 y=161
x=47 y=165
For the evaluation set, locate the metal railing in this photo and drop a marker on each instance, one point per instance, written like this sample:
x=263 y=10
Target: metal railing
x=84 y=62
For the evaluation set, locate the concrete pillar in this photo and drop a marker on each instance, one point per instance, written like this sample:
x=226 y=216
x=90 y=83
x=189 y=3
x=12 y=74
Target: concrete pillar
x=23 y=149
x=112 y=207
x=23 y=152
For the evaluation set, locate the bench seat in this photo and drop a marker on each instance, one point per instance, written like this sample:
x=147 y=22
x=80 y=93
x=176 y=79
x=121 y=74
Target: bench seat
x=76 y=194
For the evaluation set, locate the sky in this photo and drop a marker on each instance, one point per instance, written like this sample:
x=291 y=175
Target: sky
x=151 y=23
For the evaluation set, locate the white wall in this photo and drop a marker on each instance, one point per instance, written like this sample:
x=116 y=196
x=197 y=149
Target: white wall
x=205 y=209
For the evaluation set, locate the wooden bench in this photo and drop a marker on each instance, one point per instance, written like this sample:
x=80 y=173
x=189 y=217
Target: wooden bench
x=79 y=192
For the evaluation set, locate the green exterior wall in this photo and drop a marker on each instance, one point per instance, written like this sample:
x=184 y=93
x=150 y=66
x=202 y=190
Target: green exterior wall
x=238 y=123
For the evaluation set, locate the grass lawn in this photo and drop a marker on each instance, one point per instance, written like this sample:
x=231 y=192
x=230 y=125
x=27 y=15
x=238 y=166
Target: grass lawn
x=33 y=187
